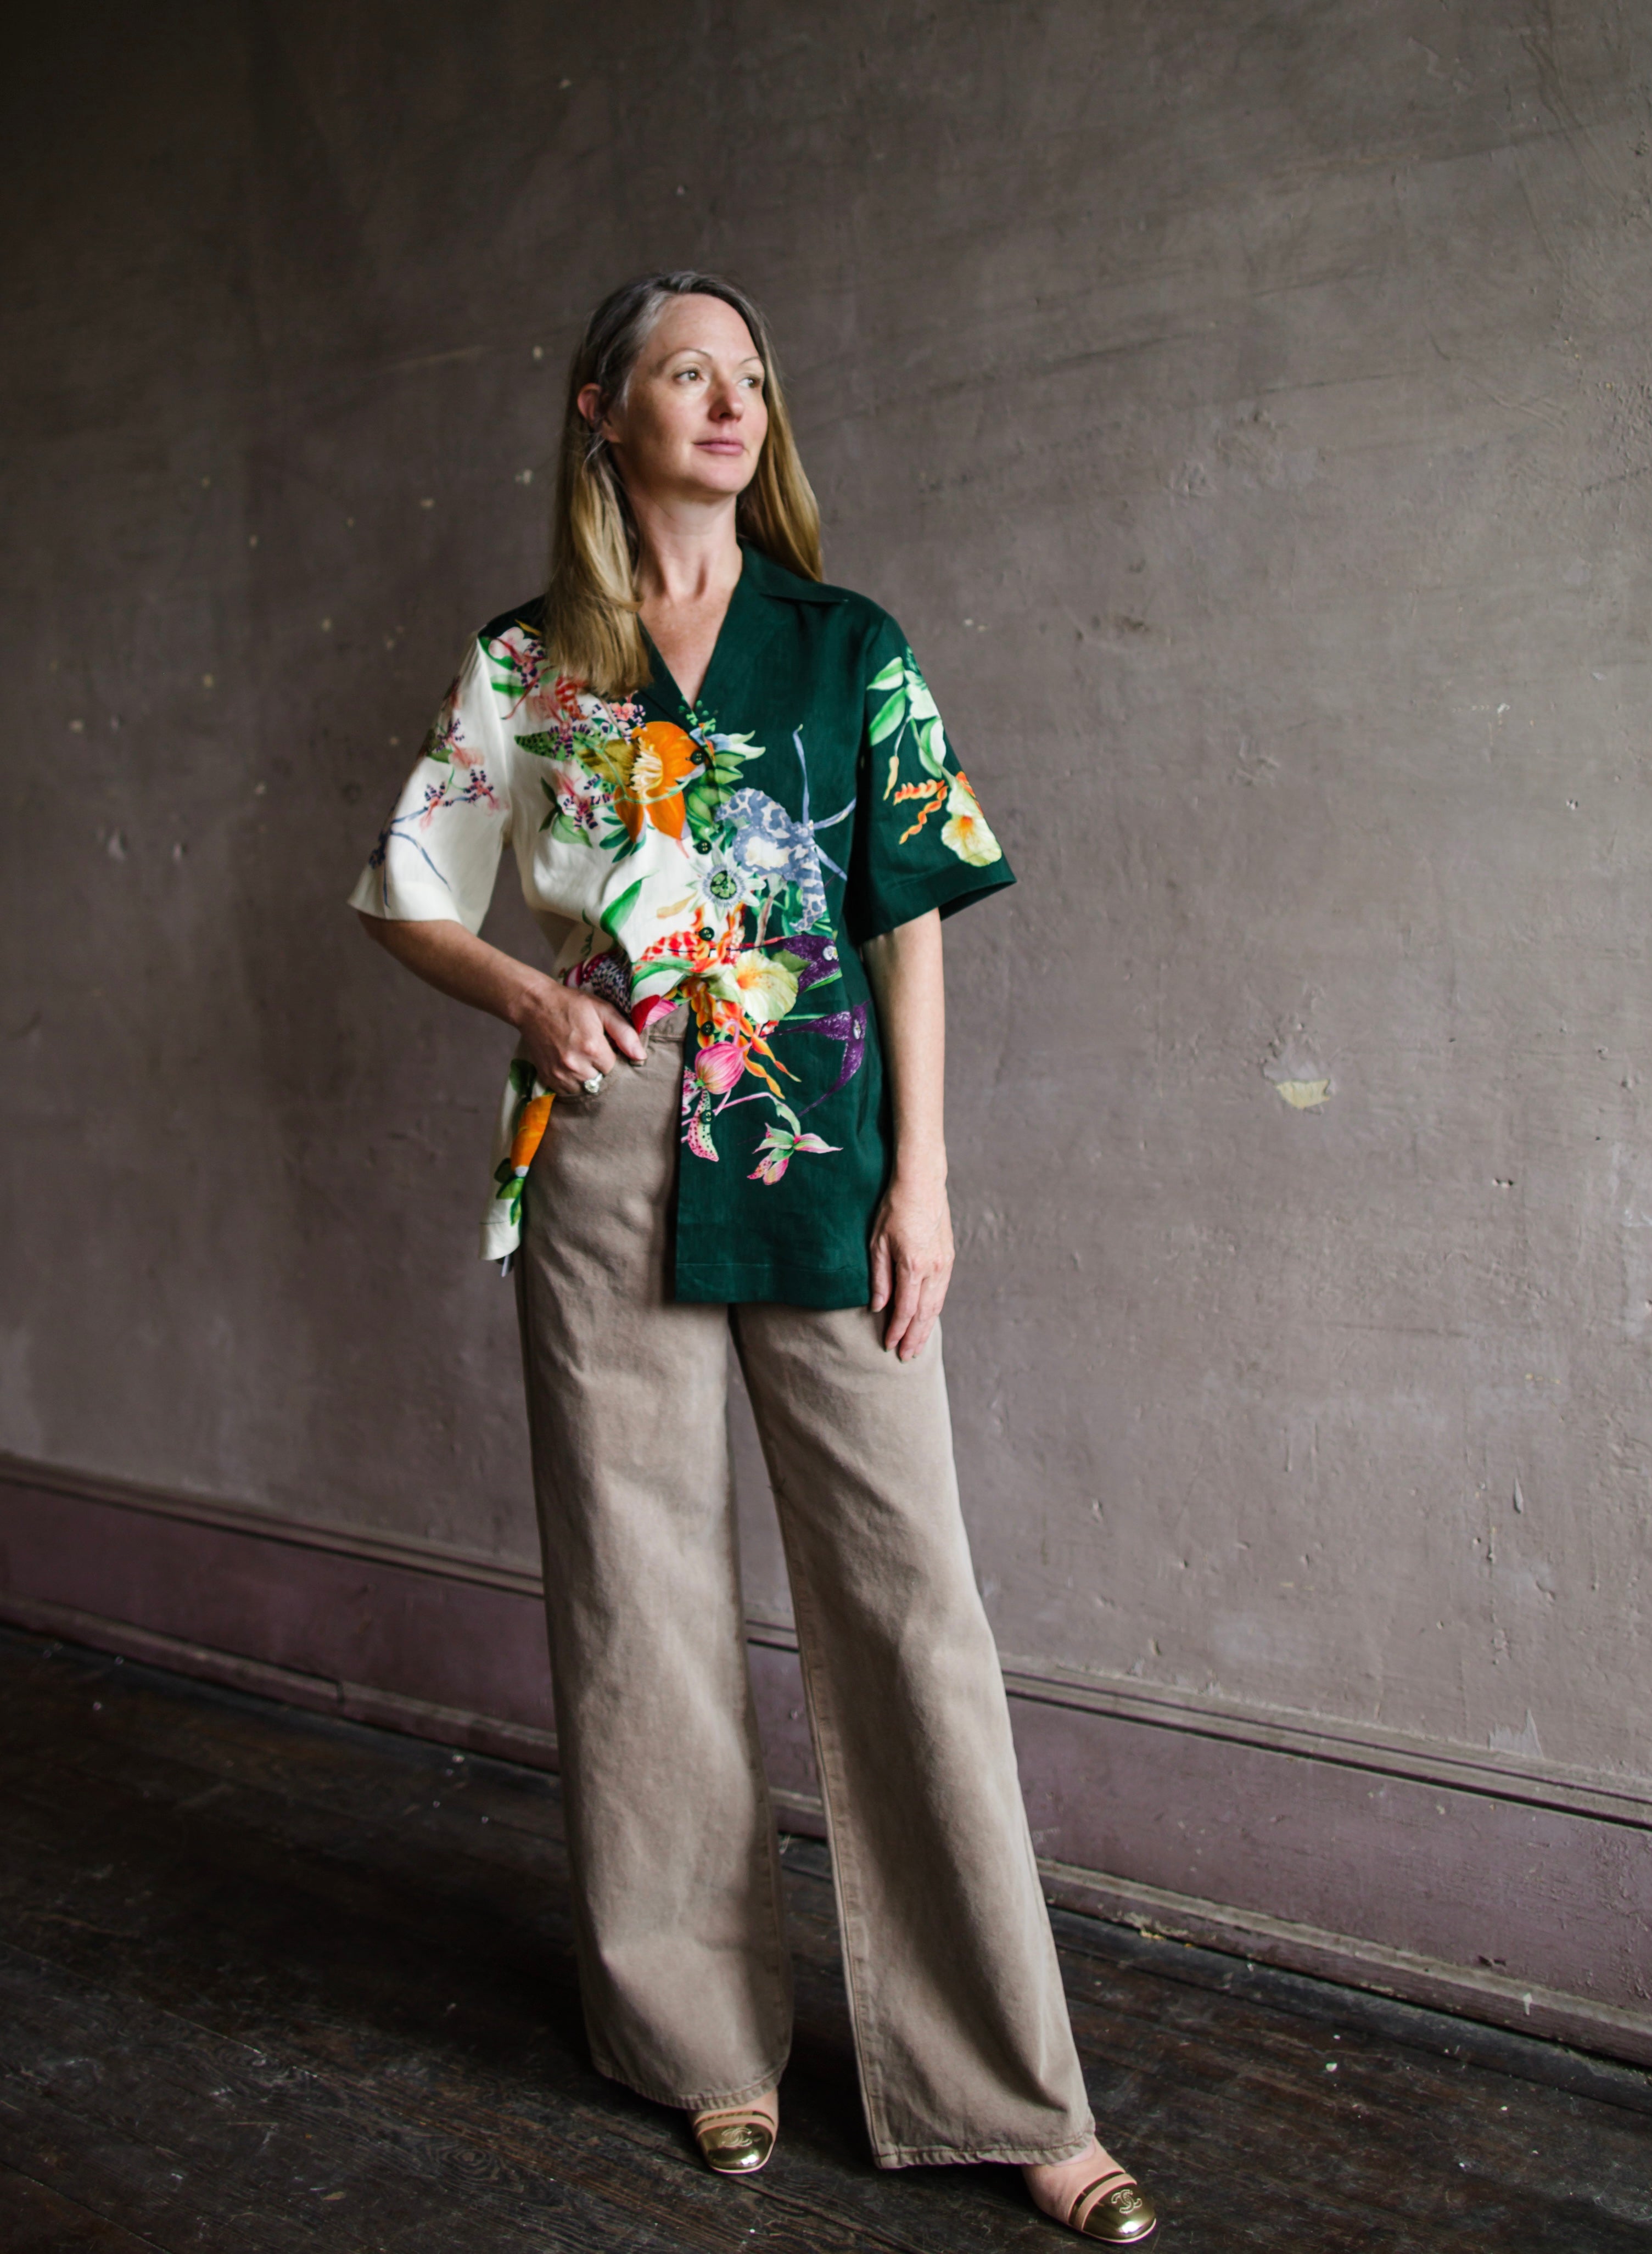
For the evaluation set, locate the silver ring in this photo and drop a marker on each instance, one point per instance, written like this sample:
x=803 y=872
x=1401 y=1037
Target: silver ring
x=593 y=1086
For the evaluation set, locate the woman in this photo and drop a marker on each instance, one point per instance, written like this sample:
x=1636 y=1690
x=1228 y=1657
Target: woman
x=734 y=809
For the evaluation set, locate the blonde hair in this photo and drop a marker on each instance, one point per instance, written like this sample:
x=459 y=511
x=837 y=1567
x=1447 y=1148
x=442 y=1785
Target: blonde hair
x=593 y=629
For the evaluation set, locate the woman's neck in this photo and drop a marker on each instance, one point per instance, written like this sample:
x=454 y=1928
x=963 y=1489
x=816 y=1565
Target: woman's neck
x=686 y=556
x=687 y=567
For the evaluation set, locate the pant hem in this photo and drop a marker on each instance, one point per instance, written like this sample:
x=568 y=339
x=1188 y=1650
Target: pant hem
x=705 y=2101
x=964 y=2156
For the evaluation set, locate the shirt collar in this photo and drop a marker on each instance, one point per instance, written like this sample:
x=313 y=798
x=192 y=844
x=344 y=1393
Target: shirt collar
x=747 y=626
x=765 y=577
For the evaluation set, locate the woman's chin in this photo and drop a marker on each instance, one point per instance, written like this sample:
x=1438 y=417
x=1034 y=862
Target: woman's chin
x=701 y=488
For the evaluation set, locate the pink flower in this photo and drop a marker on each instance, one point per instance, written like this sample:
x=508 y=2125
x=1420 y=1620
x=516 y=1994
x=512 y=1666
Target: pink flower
x=778 y=1149
x=720 y=1064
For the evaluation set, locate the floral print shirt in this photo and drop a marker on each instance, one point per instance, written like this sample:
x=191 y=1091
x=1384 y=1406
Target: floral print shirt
x=733 y=854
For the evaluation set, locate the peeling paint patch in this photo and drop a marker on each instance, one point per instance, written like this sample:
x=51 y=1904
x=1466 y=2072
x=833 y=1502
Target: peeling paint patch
x=1297 y=1072
x=1518 y=1741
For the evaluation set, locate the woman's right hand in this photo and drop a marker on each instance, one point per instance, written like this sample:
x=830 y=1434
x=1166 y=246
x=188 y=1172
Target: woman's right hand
x=573 y=1037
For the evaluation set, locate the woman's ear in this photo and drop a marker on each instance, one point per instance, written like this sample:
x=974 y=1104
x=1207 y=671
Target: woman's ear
x=588 y=403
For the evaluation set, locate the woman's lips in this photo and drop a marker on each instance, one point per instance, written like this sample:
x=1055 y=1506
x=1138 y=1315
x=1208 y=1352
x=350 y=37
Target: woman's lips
x=721 y=445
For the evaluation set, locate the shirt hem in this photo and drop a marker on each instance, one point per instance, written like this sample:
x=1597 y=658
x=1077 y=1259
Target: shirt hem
x=705 y=1283
x=438 y=909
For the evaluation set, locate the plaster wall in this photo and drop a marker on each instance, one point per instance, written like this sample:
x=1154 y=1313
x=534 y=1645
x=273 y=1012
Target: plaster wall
x=1246 y=414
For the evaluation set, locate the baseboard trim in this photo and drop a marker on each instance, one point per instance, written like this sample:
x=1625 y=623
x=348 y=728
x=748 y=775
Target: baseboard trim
x=1348 y=1745
x=1154 y=1911
x=1467 y=1991
x=1388 y=1754
x=412 y=1553
x=1477 y=1884
x=320 y=1694
x=1353 y=1744
x=804 y=1813
x=1157 y=1912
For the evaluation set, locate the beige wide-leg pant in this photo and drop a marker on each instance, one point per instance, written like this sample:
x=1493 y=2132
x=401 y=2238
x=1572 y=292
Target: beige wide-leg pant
x=960 y=2028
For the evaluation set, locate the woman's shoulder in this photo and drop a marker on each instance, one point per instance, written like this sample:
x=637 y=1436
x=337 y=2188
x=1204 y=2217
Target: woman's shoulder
x=505 y=665
x=526 y=622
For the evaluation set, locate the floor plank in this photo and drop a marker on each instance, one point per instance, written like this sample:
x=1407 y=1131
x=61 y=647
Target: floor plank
x=272 y=1981
x=38 y=2220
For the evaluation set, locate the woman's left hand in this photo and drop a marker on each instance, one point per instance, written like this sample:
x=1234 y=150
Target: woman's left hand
x=911 y=1263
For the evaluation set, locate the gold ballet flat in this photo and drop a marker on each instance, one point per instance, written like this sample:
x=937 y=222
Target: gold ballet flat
x=735 y=2142
x=1114 y=2208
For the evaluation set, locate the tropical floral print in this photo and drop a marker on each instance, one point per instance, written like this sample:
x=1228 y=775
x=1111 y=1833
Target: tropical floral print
x=465 y=784
x=907 y=719
x=748 y=934
x=531 y=1116
x=704 y=864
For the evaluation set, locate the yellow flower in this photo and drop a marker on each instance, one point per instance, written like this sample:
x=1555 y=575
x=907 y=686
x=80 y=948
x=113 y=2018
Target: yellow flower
x=610 y=761
x=761 y=989
x=966 y=832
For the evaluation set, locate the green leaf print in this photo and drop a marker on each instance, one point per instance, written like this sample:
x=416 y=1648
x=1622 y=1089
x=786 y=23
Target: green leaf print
x=893 y=671
x=615 y=909
x=543 y=747
x=702 y=803
x=932 y=748
x=890 y=717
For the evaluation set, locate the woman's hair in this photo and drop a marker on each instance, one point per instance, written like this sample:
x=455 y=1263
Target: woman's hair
x=592 y=629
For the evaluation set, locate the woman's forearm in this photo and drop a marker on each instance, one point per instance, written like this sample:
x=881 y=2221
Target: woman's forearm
x=905 y=969
x=448 y=958
x=570 y=1037
x=911 y=1244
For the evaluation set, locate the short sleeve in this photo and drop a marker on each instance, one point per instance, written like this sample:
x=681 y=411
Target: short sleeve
x=438 y=853
x=921 y=839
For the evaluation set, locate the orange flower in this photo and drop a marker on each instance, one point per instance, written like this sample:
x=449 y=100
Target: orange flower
x=530 y=1130
x=663 y=762
x=932 y=794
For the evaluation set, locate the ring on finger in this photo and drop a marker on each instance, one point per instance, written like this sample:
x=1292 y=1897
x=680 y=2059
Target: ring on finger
x=593 y=1086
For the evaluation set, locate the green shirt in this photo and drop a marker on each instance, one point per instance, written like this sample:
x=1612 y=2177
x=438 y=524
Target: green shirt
x=734 y=854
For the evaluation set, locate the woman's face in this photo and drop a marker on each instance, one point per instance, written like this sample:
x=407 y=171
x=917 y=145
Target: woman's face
x=694 y=418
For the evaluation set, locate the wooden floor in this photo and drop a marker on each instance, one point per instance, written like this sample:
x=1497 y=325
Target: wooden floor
x=269 y=1982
